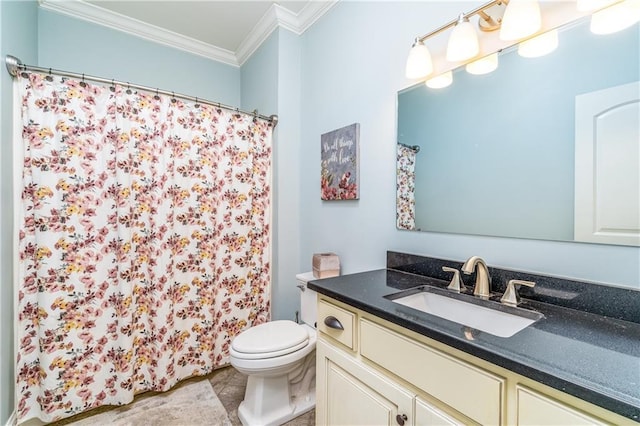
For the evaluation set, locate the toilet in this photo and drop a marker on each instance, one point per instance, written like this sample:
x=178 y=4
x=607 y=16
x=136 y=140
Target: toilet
x=279 y=359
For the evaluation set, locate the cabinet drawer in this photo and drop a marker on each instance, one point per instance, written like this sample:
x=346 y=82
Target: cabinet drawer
x=473 y=392
x=328 y=312
x=537 y=409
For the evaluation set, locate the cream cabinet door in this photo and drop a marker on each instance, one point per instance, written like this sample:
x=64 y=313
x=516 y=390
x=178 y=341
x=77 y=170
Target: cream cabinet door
x=428 y=415
x=536 y=409
x=348 y=393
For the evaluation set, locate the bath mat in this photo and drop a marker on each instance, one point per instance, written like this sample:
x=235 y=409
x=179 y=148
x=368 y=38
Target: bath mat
x=190 y=404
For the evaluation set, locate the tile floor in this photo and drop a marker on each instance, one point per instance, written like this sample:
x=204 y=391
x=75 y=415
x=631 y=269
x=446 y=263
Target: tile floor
x=229 y=385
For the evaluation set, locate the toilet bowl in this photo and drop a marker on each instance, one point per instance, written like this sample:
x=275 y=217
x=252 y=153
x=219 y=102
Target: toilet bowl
x=279 y=359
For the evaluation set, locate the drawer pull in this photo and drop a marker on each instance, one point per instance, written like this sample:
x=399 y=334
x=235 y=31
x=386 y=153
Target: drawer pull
x=333 y=322
x=401 y=418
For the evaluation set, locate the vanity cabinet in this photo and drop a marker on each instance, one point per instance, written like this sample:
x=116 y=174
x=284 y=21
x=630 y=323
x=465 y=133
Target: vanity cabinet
x=351 y=393
x=352 y=388
x=375 y=372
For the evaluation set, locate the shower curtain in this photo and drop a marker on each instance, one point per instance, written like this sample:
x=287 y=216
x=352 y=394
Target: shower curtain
x=144 y=241
x=405 y=188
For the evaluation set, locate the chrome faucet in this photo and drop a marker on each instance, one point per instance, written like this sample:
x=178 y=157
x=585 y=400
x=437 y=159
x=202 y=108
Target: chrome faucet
x=511 y=296
x=483 y=280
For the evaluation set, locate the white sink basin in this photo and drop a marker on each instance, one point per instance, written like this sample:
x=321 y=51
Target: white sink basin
x=493 y=321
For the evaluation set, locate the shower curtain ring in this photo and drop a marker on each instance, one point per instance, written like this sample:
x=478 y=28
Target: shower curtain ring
x=49 y=77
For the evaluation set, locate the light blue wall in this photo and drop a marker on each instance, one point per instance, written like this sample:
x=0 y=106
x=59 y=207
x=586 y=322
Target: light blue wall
x=259 y=77
x=271 y=83
x=287 y=188
x=18 y=29
x=515 y=142
x=74 y=45
x=352 y=67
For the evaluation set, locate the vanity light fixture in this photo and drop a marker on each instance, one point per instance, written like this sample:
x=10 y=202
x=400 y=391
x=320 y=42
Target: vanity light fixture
x=616 y=17
x=483 y=65
x=419 y=63
x=516 y=20
x=463 y=44
x=521 y=19
x=463 y=41
x=539 y=45
x=440 y=81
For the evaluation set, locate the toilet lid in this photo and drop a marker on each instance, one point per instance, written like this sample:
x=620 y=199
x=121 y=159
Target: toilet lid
x=282 y=336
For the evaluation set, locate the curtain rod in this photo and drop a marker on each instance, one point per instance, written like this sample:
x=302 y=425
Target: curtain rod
x=415 y=148
x=14 y=65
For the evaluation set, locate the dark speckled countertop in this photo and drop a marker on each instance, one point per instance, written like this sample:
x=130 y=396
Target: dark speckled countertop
x=589 y=355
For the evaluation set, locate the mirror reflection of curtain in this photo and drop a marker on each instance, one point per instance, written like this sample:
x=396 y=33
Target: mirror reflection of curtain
x=405 y=187
x=144 y=242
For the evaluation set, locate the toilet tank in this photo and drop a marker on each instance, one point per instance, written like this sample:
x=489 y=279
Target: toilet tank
x=308 y=303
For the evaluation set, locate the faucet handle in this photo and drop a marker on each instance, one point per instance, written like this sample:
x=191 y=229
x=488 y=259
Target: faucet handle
x=510 y=296
x=456 y=283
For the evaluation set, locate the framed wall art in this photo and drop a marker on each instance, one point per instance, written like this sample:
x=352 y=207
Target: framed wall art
x=339 y=179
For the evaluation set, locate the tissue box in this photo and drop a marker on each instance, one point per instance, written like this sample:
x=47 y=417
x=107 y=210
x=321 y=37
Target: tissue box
x=326 y=265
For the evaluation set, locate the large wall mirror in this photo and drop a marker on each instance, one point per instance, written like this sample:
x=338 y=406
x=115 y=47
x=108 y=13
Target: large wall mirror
x=529 y=150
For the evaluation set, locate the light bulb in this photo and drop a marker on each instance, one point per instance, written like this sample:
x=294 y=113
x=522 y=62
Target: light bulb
x=440 y=81
x=540 y=45
x=521 y=19
x=616 y=17
x=419 y=63
x=483 y=65
x=463 y=42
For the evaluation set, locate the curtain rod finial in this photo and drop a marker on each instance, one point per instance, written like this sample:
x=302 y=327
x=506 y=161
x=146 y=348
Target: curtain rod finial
x=13 y=64
x=274 y=119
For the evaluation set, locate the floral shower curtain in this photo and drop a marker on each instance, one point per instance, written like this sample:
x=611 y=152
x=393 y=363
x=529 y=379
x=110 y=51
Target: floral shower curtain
x=144 y=242
x=405 y=188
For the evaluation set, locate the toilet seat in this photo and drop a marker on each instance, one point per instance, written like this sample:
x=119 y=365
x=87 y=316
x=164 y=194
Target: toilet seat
x=270 y=340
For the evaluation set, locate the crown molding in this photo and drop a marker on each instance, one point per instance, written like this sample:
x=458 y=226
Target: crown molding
x=312 y=12
x=98 y=15
x=260 y=33
x=276 y=16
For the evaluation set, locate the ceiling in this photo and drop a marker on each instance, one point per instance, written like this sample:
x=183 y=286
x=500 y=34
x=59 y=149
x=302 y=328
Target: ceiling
x=224 y=30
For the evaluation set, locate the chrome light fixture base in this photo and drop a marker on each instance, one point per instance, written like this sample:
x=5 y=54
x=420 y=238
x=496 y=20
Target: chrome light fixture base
x=490 y=19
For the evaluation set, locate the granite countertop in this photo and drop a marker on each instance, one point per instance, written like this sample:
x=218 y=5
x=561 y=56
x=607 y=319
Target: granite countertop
x=593 y=357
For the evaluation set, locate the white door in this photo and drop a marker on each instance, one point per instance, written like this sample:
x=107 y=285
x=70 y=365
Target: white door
x=607 y=167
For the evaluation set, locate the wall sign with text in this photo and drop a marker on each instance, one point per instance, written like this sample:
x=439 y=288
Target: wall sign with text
x=339 y=179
